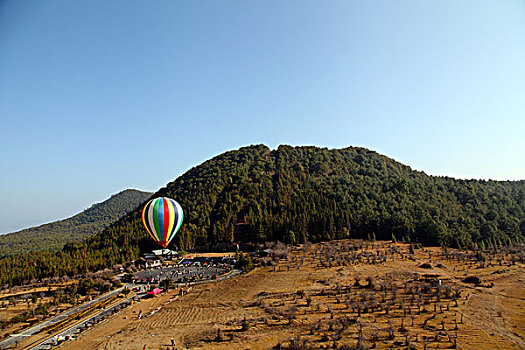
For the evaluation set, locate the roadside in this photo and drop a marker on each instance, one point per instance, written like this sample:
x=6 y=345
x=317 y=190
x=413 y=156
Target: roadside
x=14 y=339
x=85 y=324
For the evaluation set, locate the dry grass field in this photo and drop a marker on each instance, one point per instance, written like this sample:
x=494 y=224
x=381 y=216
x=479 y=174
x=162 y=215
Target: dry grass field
x=338 y=295
x=18 y=300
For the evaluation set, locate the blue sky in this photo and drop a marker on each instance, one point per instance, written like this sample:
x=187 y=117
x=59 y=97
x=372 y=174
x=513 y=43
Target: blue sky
x=100 y=96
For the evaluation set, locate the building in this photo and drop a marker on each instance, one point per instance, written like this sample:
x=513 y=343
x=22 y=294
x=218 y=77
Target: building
x=161 y=253
x=148 y=262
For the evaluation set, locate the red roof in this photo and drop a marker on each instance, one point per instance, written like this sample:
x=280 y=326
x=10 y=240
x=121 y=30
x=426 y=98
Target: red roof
x=155 y=291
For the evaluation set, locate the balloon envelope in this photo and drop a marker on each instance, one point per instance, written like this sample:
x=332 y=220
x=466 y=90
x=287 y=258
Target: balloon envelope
x=162 y=217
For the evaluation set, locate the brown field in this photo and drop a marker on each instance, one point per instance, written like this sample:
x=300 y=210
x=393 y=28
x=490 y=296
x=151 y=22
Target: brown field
x=342 y=294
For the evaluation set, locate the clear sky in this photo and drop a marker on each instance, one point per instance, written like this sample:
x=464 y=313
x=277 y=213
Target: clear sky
x=98 y=96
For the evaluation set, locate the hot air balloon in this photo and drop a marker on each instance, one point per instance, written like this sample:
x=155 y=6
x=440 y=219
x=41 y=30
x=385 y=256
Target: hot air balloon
x=162 y=218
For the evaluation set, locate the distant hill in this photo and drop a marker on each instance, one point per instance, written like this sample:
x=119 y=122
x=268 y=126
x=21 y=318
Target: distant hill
x=295 y=194
x=52 y=236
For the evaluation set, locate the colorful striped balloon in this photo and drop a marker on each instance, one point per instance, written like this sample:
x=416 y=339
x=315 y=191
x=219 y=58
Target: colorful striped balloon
x=162 y=217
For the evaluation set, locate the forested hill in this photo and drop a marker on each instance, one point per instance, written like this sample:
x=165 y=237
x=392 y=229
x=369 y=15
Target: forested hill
x=52 y=236
x=295 y=194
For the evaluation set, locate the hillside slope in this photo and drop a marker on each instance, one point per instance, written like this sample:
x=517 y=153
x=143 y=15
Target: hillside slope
x=295 y=194
x=52 y=236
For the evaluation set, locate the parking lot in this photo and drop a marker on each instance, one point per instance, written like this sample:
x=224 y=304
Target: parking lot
x=188 y=270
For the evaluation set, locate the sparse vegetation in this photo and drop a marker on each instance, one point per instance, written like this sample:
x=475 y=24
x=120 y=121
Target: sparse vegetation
x=353 y=294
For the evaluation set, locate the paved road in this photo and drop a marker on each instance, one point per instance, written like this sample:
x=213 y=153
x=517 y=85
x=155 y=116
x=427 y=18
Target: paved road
x=91 y=321
x=15 y=338
x=230 y=274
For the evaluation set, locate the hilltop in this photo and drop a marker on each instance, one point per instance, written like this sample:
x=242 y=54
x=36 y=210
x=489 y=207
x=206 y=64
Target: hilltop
x=295 y=194
x=54 y=235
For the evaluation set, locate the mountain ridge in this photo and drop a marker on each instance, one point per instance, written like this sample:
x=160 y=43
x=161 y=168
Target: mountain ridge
x=53 y=235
